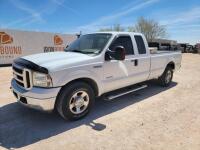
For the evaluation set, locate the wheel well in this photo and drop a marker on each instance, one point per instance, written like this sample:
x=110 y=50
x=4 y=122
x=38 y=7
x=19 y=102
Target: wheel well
x=89 y=81
x=171 y=65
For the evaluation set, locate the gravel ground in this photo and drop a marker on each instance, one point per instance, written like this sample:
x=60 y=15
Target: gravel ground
x=153 y=118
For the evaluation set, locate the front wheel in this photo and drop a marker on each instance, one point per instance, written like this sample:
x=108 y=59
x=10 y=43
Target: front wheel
x=166 y=77
x=75 y=101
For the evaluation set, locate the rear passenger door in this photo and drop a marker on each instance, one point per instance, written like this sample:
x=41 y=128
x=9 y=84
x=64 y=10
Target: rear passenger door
x=143 y=59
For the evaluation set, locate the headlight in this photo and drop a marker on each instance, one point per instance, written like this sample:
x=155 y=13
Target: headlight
x=41 y=80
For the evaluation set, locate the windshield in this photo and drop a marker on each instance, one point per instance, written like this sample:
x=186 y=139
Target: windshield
x=89 y=43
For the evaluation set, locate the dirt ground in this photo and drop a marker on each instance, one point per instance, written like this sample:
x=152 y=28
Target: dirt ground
x=153 y=118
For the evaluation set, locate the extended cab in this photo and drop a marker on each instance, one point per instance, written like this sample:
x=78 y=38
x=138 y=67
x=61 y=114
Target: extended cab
x=93 y=65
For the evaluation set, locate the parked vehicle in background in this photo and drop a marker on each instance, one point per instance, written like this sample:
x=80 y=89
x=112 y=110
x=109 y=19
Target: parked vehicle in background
x=197 y=48
x=190 y=48
x=182 y=47
x=187 y=48
x=93 y=65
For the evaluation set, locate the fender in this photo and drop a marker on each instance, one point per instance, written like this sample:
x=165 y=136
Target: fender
x=67 y=77
x=168 y=61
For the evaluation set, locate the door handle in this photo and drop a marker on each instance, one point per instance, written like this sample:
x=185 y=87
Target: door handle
x=135 y=61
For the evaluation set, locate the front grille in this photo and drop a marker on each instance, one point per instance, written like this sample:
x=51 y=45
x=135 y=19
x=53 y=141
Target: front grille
x=27 y=74
x=18 y=70
x=22 y=76
x=21 y=84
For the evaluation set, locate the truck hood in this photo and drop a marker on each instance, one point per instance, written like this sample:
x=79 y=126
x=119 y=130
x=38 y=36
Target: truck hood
x=54 y=61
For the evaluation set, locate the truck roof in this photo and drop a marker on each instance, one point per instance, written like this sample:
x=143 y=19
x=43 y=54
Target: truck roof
x=116 y=32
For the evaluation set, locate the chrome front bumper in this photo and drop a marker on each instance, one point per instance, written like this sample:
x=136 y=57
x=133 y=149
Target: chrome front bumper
x=37 y=98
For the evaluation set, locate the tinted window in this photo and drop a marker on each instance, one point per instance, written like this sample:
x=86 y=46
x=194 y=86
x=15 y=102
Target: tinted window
x=124 y=41
x=140 y=44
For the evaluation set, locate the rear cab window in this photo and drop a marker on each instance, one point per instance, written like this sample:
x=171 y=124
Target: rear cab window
x=140 y=44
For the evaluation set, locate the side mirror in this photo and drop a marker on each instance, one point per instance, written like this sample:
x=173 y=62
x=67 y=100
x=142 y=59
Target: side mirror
x=118 y=53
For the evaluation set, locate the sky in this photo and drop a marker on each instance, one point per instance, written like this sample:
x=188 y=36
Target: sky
x=180 y=17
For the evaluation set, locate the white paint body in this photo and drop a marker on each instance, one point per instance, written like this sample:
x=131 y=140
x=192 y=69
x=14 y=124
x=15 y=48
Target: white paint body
x=65 y=67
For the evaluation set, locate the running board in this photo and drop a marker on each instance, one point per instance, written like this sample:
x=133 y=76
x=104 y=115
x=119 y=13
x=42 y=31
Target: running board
x=111 y=97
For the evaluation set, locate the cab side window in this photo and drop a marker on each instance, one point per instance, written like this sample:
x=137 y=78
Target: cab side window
x=124 y=41
x=140 y=44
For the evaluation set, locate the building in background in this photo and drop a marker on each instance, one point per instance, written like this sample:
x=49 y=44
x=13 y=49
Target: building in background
x=16 y=43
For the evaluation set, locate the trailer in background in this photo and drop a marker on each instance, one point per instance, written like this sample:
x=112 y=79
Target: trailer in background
x=16 y=43
x=163 y=44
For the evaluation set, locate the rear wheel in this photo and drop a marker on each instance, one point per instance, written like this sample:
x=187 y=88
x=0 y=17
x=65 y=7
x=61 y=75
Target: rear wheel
x=166 y=77
x=75 y=101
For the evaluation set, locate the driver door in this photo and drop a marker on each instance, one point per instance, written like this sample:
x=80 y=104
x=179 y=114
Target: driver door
x=117 y=73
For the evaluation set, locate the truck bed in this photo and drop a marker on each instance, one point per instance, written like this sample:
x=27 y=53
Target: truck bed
x=159 y=60
x=165 y=52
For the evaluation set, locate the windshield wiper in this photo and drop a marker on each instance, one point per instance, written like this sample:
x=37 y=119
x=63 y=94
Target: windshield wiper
x=79 y=51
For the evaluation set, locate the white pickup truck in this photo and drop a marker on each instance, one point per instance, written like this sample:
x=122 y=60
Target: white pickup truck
x=93 y=65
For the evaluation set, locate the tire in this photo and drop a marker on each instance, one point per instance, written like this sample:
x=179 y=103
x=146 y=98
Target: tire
x=75 y=100
x=166 y=78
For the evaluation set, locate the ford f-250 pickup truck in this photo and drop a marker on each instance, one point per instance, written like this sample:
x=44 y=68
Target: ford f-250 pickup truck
x=93 y=65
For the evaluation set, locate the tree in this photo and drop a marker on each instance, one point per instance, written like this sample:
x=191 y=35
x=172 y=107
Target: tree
x=150 y=28
x=116 y=27
x=131 y=29
x=105 y=29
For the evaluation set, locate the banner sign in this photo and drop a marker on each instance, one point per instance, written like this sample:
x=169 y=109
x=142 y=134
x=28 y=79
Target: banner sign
x=15 y=43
